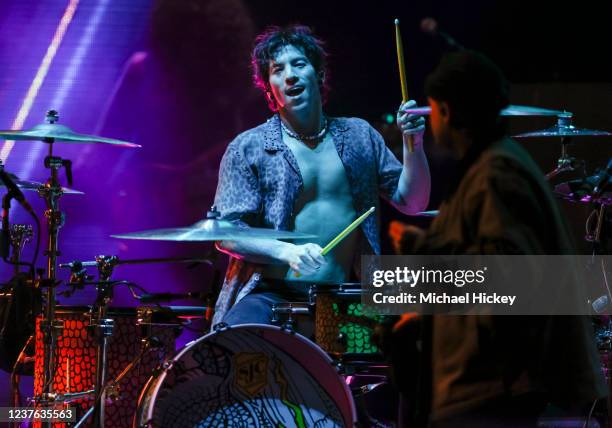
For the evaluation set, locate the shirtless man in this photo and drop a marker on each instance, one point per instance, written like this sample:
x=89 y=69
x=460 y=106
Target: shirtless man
x=307 y=172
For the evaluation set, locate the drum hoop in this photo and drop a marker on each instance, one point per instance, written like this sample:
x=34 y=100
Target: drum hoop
x=84 y=309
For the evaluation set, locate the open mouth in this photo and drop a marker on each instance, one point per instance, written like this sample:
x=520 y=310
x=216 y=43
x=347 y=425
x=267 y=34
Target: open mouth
x=294 y=91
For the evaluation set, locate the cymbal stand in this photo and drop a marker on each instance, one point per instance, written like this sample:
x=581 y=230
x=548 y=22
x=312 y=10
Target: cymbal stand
x=51 y=193
x=103 y=329
x=565 y=161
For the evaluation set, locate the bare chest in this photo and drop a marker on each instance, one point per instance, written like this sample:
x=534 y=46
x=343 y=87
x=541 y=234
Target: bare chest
x=322 y=171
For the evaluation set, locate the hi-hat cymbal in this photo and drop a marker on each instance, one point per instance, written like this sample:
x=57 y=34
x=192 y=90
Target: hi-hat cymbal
x=511 y=110
x=35 y=185
x=212 y=229
x=48 y=132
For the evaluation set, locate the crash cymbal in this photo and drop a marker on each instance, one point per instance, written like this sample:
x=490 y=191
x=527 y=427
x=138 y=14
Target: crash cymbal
x=212 y=229
x=35 y=185
x=511 y=110
x=48 y=132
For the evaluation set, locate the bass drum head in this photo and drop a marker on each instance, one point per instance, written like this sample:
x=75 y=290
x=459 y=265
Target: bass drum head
x=248 y=375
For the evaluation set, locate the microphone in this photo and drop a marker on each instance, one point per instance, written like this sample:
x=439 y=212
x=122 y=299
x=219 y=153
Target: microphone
x=430 y=26
x=14 y=190
x=603 y=180
x=164 y=297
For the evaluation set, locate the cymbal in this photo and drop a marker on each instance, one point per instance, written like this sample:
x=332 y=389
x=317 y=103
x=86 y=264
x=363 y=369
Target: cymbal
x=563 y=131
x=56 y=132
x=511 y=110
x=35 y=185
x=212 y=229
x=432 y=213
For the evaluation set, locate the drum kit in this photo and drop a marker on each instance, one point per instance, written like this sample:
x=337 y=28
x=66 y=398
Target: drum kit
x=119 y=365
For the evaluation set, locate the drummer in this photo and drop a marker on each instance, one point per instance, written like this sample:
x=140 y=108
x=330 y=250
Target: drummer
x=308 y=172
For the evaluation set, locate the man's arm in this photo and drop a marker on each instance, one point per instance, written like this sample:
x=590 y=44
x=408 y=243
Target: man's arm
x=414 y=186
x=305 y=259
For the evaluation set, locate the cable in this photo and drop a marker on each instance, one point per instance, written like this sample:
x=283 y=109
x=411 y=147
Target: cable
x=588 y=419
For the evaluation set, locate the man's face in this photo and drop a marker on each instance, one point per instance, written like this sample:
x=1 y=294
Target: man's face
x=293 y=80
x=439 y=122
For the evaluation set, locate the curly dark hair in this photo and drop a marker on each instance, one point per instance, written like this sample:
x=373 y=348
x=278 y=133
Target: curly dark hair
x=272 y=40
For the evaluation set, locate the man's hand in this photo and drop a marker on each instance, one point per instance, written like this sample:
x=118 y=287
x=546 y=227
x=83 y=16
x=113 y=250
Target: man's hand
x=411 y=124
x=304 y=259
x=404 y=236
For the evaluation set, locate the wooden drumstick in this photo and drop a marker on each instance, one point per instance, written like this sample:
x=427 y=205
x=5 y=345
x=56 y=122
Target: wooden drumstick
x=402 y=74
x=343 y=234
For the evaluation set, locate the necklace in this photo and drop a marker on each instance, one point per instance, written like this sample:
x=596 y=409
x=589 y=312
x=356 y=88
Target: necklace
x=301 y=137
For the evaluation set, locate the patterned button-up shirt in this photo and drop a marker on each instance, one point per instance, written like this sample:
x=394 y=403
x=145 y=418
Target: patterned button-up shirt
x=259 y=181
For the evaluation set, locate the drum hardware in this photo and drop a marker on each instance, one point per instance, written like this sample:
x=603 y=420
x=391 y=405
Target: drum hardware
x=102 y=327
x=51 y=193
x=20 y=235
x=77 y=349
x=112 y=390
x=22 y=359
x=14 y=192
x=177 y=317
x=593 y=235
x=106 y=265
x=114 y=260
x=566 y=162
x=364 y=389
x=290 y=309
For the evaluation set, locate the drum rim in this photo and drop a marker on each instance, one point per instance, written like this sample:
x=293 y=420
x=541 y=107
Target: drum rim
x=160 y=377
x=343 y=288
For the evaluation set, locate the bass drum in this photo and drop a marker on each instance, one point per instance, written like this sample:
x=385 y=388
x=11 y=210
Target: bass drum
x=248 y=375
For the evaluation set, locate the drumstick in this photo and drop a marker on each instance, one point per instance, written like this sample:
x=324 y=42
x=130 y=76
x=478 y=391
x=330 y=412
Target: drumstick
x=343 y=234
x=346 y=231
x=402 y=73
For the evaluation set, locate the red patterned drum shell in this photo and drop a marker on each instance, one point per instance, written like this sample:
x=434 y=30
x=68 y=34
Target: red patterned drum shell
x=248 y=375
x=75 y=359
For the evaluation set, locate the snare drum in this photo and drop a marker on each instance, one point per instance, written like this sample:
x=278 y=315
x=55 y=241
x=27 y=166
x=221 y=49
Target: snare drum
x=75 y=358
x=342 y=323
x=247 y=375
